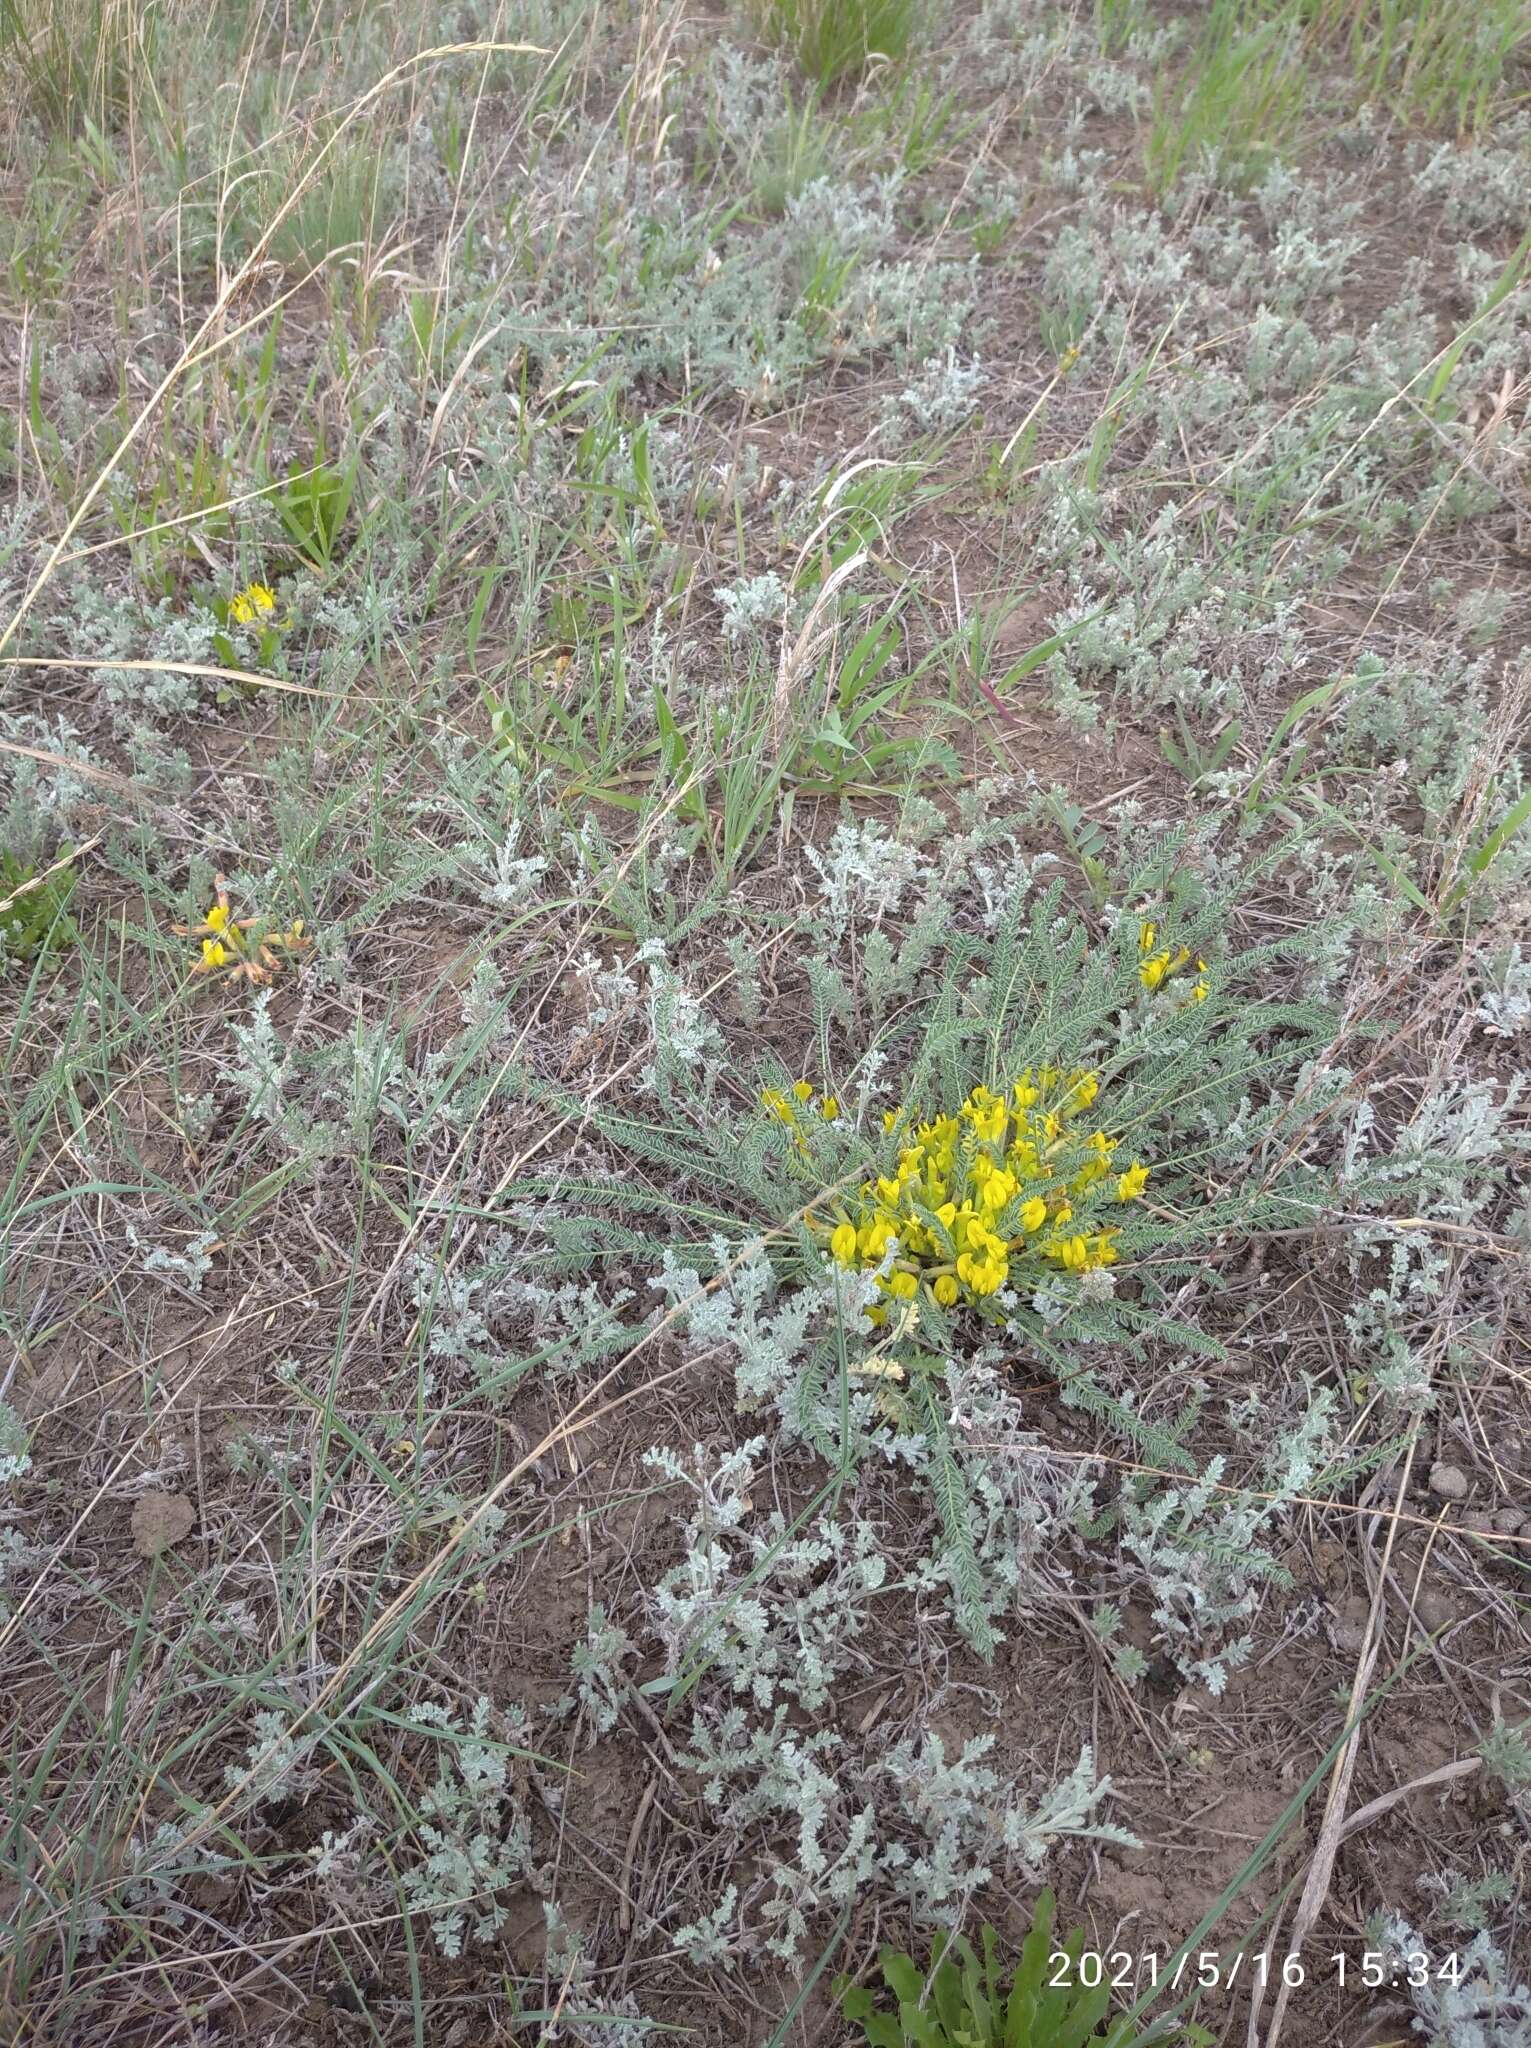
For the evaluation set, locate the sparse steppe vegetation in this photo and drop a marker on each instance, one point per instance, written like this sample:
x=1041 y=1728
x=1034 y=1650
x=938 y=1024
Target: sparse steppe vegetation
x=765 y=956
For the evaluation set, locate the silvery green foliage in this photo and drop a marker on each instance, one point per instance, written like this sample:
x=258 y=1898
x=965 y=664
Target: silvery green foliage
x=706 y=1942
x=157 y=1869
x=1017 y=1500
x=509 y=878
x=166 y=634
x=610 y=992
x=1201 y=1546
x=964 y=1817
x=471 y=1827
x=767 y=1330
x=863 y=871
x=276 y=1762
x=1484 y=187
x=776 y=1614
x=458 y=1330
x=681 y=1032
x=1506 y=1754
x=1449 y=1151
x=596 y=1666
x=1007 y=879
x=1423 y=715
x=191 y=1265
x=658 y=284
x=766 y=1620
x=859 y=219
x=933 y=1829
x=39 y=799
x=1445 y=1165
x=341 y=1863
x=261 y=1072
x=752 y=607
x=469 y=1307
x=1466 y=1902
x=1168 y=639
x=15 y=1446
x=943 y=393
x=775 y=1774
x=1483 y=2008
x=1504 y=1008
x=20 y=1562
x=612 y=2019
x=316 y=1098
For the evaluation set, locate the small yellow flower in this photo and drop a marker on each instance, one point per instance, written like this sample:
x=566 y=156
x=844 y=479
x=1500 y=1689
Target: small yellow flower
x=902 y=1285
x=945 y=1289
x=874 y=1238
x=803 y=1090
x=1033 y=1214
x=246 y=946
x=829 y=1109
x=256 y=601
x=1132 y=1183
x=843 y=1243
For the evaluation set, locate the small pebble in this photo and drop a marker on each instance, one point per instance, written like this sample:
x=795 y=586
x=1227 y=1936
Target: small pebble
x=1509 y=1521
x=1449 y=1482
x=1480 y=1521
x=1433 y=1610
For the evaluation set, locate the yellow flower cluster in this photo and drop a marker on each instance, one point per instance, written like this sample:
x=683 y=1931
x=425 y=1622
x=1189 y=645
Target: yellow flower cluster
x=795 y=1104
x=242 y=948
x=252 y=604
x=214 y=952
x=1157 y=963
x=975 y=1195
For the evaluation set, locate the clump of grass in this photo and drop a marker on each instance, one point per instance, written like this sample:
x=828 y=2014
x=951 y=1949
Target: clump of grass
x=33 y=915
x=73 y=59
x=1437 y=63
x=832 y=38
x=1240 y=103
